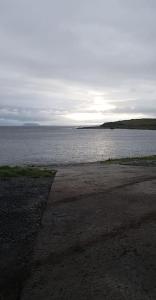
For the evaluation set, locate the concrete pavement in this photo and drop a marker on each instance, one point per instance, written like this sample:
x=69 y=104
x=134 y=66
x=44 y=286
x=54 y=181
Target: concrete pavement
x=97 y=239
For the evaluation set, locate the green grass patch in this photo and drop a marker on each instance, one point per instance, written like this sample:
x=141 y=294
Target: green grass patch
x=151 y=158
x=8 y=171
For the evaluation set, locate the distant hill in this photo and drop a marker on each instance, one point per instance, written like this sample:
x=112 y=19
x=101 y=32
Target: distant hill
x=131 y=124
x=128 y=124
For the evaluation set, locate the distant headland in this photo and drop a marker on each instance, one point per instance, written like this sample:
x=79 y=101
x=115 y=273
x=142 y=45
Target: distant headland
x=143 y=124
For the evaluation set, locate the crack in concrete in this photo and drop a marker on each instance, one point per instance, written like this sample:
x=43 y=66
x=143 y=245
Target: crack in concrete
x=81 y=197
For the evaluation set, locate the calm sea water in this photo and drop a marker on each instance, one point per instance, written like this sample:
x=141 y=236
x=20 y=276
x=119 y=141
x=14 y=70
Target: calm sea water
x=61 y=145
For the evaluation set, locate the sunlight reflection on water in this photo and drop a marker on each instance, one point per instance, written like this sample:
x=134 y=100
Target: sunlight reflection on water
x=54 y=145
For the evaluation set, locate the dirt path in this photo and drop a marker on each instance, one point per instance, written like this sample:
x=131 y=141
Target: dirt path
x=98 y=236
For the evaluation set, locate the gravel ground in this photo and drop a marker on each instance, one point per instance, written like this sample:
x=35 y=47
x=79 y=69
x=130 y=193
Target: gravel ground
x=22 y=202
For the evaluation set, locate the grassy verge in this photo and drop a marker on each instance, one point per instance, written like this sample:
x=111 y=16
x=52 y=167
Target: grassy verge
x=8 y=171
x=132 y=160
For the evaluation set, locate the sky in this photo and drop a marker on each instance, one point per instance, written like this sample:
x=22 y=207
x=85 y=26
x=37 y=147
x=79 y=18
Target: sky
x=69 y=62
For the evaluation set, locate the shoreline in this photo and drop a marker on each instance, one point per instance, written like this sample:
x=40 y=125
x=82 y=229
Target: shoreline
x=131 y=160
x=112 y=160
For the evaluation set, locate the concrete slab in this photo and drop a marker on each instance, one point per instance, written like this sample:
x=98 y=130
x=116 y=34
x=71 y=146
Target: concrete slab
x=98 y=236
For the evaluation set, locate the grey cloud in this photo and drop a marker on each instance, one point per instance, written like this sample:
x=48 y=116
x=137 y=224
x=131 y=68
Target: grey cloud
x=53 y=54
x=135 y=108
x=22 y=115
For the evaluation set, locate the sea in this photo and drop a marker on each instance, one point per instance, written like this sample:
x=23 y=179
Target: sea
x=69 y=145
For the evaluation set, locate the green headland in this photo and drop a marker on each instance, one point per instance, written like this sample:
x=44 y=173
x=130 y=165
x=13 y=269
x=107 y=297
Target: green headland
x=143 y=124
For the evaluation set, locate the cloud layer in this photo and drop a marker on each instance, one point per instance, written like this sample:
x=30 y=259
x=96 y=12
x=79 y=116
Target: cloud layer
x=77 y=62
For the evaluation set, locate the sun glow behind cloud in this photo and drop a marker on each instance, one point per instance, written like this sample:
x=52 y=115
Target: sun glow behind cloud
x=101 y=105
x=95 y=111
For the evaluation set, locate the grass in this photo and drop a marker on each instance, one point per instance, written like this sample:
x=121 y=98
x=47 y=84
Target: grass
x=35 y=172
x=138 y=159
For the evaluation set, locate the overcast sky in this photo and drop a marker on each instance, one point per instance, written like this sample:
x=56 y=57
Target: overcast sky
x=77 y=61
